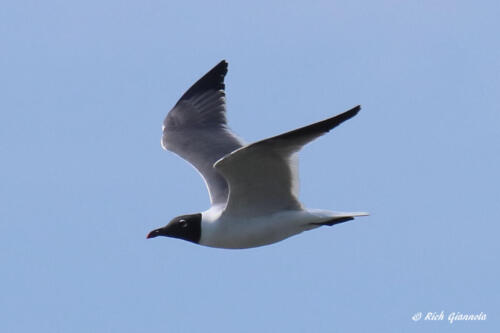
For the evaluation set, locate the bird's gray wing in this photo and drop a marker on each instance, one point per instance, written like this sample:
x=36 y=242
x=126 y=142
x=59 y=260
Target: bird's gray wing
x=196 y=130
x=263 y=176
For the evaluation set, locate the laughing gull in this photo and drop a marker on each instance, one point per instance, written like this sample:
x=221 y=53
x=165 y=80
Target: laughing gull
x=253 y=188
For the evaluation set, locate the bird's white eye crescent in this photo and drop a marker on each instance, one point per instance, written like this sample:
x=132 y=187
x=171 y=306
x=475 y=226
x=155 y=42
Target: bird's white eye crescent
x=183 y=223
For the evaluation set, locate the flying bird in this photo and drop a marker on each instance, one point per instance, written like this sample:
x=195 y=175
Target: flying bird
x=253 y=187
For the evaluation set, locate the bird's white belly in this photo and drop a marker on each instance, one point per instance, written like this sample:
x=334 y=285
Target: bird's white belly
x=240 y=233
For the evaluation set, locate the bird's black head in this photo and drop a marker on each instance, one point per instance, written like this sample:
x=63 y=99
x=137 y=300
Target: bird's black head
x=187 y=227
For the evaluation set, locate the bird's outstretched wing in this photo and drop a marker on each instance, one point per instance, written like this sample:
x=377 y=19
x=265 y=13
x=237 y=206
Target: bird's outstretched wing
x=263 y=176
x=196 y=130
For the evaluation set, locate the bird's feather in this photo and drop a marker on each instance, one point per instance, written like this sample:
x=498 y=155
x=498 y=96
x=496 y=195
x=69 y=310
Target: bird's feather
x=263 y=176
x=196 y=130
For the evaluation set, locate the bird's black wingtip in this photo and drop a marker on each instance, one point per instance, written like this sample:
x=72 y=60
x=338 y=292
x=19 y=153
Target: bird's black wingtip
x=347 y=114
x=334 y=221
x=355 y=109
x=223 y=63
x=212 y=80
x=220 y=69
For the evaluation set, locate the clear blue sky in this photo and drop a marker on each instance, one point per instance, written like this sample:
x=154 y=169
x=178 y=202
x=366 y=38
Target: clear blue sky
x=85 y=86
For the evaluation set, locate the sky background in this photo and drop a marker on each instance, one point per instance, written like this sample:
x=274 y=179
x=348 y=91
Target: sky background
x=85 y=86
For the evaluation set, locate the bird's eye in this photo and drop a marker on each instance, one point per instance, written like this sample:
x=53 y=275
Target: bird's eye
x=183 y=223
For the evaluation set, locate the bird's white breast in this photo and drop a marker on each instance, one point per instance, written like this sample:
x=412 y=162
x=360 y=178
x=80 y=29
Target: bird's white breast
x=220 y=230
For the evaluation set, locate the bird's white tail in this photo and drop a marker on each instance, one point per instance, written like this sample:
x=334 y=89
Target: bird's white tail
x=330 y=218
x=351 y=214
